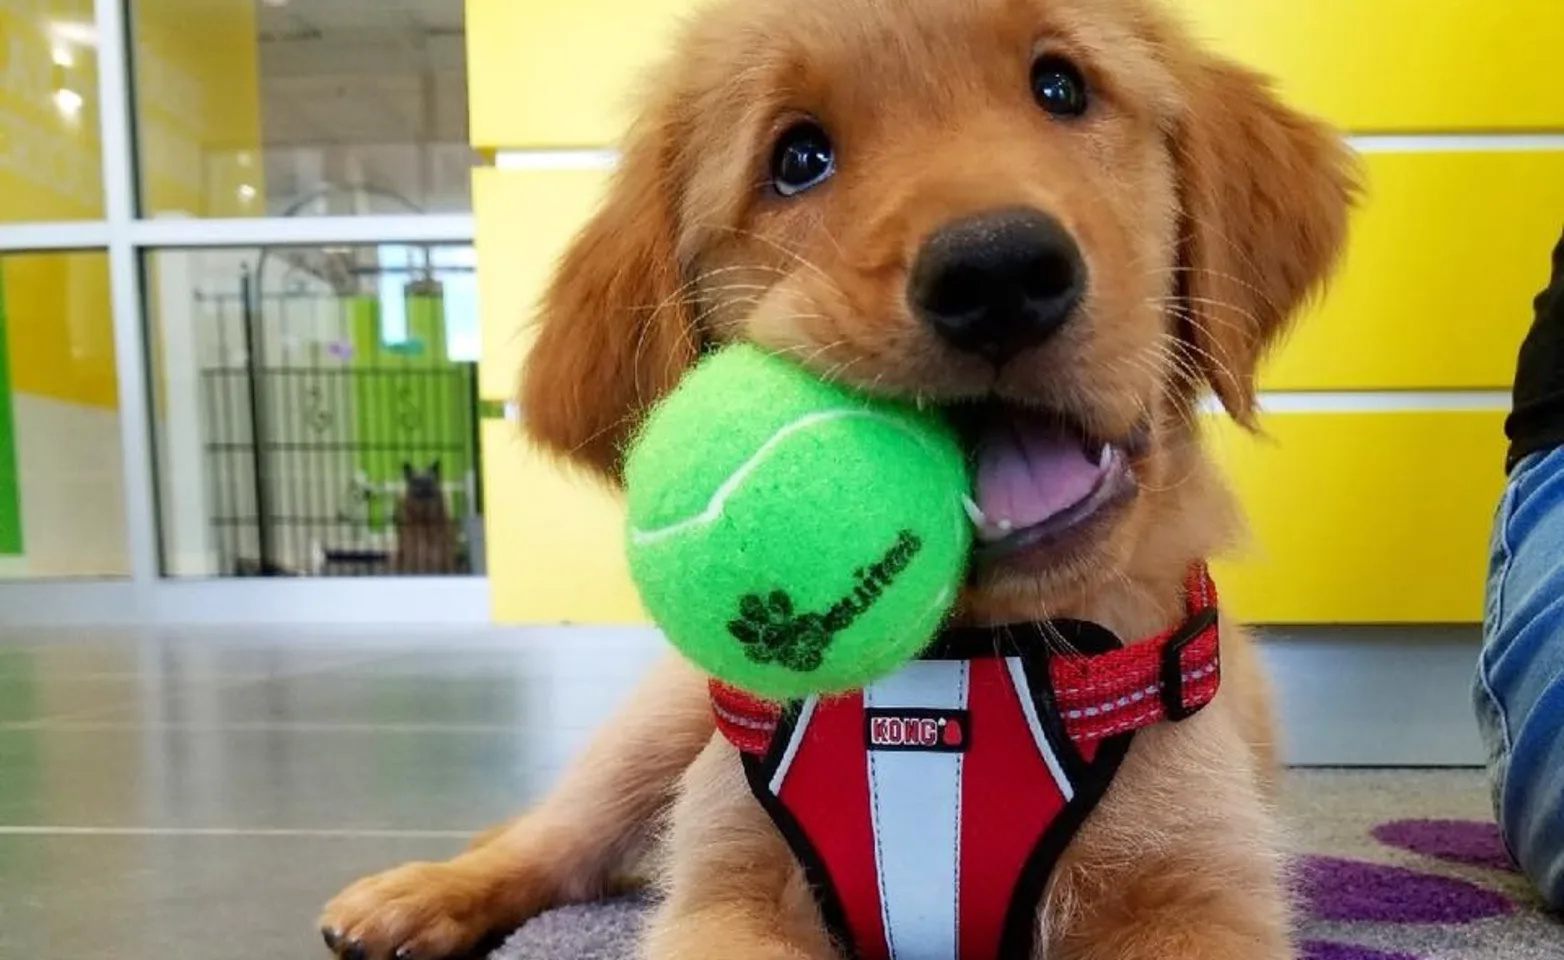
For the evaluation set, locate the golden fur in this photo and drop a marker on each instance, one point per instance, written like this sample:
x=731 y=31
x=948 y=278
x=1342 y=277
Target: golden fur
x=1206 y=212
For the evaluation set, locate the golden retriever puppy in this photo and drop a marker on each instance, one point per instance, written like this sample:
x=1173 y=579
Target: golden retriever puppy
x=1059 y=220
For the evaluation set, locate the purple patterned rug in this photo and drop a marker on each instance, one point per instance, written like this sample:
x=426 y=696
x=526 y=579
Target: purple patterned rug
x=1392 y=865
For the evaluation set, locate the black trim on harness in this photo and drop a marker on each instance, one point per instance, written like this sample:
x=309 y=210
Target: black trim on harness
x=759 y=771
x=1090 y=783
x=1056 y=637
x=1172 y=694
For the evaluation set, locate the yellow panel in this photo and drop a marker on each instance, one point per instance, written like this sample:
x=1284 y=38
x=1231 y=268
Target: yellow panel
x=1363 y=517
x=1436 y=290
x=524 y=220
x=61 y=333
x=49 y=112
x=554 y=537
x=560 y=73
x=555 y=540
x=550 y=73
x=1402 y=65
x=1371 y=66
x=1355 y=517
x=198 y=108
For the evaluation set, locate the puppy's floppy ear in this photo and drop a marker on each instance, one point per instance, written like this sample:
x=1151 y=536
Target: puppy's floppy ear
x=1265 y=192
x=615 y=332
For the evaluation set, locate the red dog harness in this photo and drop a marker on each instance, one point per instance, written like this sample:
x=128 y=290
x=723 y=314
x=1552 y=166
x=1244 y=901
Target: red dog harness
x=929 y=809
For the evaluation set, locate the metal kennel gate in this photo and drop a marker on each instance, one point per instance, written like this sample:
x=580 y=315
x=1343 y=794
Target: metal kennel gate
x=331 y=451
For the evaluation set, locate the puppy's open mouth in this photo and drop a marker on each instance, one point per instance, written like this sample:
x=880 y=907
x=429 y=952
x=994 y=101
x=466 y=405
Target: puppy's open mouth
x=1040 y=481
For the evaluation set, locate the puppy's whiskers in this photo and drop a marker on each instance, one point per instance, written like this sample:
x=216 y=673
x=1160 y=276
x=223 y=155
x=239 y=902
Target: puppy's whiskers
x=794 y=255
x=1174 y=271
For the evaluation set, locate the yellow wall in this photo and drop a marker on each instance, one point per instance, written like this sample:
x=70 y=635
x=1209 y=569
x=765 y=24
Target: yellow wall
x=197 y=99
x=50 y=169
x=553 y=536
x=1402 y=65
x=60 y=335
x=58 y=331
x=1449 y=248
x=198 y=107
x=1442 y=262
x=555 y=539
x=546 y=73
x=1362 y=517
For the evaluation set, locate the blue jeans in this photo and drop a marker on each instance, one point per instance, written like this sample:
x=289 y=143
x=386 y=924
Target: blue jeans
x=1519 y=692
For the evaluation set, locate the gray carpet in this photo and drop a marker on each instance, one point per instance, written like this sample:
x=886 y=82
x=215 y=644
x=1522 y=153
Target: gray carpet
x=1391 y=865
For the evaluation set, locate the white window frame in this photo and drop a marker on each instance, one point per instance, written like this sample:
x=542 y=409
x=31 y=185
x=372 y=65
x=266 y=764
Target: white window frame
x=145 y=597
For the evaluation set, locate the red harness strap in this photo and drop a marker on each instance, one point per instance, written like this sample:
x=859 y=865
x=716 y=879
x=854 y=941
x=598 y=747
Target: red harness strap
x=929 y=809
x=1165 y=677
x=745 y=719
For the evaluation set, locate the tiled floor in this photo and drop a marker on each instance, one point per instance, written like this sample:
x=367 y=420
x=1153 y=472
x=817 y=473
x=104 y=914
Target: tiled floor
x=198 y=794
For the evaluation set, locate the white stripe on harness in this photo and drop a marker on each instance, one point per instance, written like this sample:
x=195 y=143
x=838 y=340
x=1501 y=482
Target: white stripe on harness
x=915 y=804
x=1023 y=692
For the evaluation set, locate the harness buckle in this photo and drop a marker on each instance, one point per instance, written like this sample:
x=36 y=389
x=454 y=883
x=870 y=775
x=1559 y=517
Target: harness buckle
x=1173 y=705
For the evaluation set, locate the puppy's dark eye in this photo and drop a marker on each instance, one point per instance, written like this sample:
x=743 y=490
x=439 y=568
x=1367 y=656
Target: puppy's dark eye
x=1058 y=86
x=803 y=158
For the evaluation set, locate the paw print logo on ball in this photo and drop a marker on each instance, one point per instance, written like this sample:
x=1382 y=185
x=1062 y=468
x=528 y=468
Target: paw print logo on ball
x=772 y=632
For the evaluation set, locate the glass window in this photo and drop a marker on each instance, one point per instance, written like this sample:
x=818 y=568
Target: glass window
x=301 y=107
x=316 y=410
x=62 y=502
x=49 y=150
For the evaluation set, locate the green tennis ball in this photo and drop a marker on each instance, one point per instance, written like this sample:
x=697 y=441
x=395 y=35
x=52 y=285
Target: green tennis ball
x=790 y=536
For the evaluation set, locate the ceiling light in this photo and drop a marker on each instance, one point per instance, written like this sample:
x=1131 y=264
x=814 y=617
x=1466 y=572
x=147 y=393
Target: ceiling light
x=68 y=101
x=74 y=32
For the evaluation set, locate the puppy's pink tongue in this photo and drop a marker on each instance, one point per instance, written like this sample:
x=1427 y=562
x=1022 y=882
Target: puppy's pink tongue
x=1028 y=471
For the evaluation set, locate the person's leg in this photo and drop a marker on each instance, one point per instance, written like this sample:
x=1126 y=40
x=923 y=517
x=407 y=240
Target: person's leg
x=1520 y=689
x=1520 y=686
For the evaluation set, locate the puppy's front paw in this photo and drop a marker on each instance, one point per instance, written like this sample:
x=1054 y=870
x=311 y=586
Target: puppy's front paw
x=419 y=911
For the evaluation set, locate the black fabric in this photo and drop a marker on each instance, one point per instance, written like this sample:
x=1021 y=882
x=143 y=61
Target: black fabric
x=758 y=771
x=1061 y=636
x=1090 y=779
x=1537 y=420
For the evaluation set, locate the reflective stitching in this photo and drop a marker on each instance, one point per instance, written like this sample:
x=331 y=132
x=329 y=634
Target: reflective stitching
x=1123 y=726
x=728 y=716
x=965 y=701
x=1139 y=695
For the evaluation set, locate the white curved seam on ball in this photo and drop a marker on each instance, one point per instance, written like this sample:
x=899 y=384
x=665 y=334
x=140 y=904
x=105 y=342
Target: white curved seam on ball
x=942 y=601
x=719 y=499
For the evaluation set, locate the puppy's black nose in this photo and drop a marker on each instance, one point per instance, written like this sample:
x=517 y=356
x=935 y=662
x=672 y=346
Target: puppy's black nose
x=997 y=283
